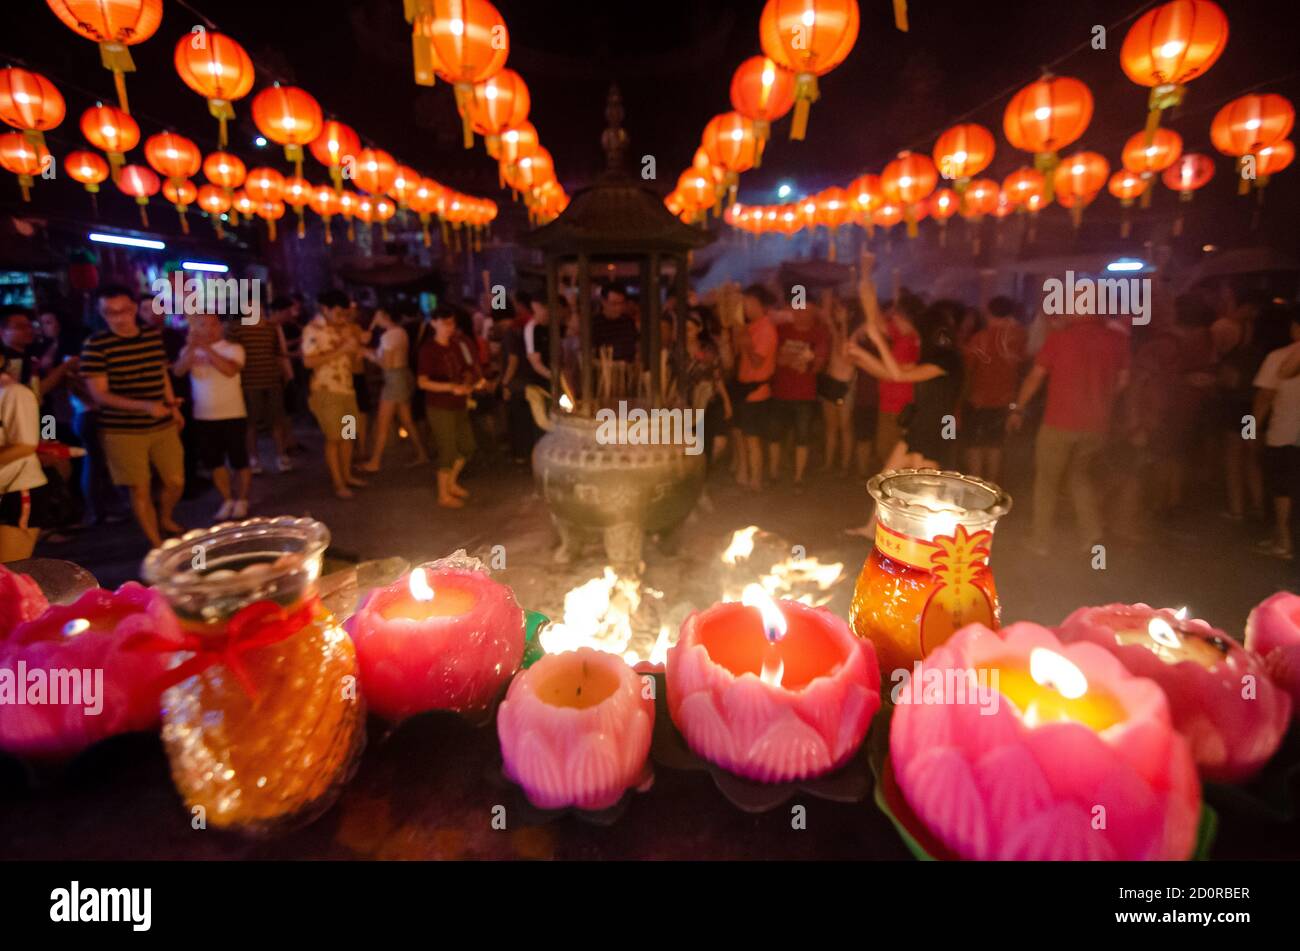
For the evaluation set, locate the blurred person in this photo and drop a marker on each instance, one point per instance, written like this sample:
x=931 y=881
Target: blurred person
x=803 y=347
x=1085 y=366
x=21 y=357
x=126 y=371
x=265 y=374
x=835 y=387
x=1277 y=409
x=392 y=356
x=214 y=367
x=705 y=387
x=330 y=347
x=360 y=320
x=615 y=325
x=1240 y=358
x=519 y=371
x=755 y=342
x=448 y=376
x=993 y=358
x=22 y=481
x=894 y=396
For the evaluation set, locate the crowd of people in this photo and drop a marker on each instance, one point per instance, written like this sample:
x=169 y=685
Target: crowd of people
x=791 y=382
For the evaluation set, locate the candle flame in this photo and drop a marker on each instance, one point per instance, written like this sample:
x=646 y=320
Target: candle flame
x=774 y=624
x=1181 y=613
x=742 y=545
x=76 y=626
x=419 y=586
x=773 y=669
x=1163 y=633
x=566 y=404
x=1051 y=669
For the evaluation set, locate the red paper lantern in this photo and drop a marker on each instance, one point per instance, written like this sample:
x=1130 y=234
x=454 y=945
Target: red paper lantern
x=468 y=43
x=943 y=205
x=1045 y=117
x=404 y=184
x=762 y=90
x=296 y=194
x=1274 y=158
x=809 y=38
x=887 y=215
x=531 y=172
x=1248 y=125
x=1170 y=46
x=172 y=156
x=336 y=146
x=907 y=181
x=30 y=102
x=1079 y=179
x=216 y=202
x=224 y=169
x=243 y=203
x=1024 y=183
x=114 y=25
x=24 y=158
x=290 y=116
x=1150 y=155
x=963 y=152
x=110 y=130
x=518 y=142
x=87 y=168
x=1189 y=173
x=730 y=142
x=218 y=69
x=424 y=201
x=834 y=208
x=981 y=198
x=866 y=195
x=498 y=103
x=264 y=185
x=181 y=193
x=140 y=182
x=696 y=190
x=375 y=171
x=270 y=212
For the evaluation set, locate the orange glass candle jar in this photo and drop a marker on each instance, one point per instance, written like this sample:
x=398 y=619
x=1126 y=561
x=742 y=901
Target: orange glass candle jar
x=264 y=722
x=928 y=575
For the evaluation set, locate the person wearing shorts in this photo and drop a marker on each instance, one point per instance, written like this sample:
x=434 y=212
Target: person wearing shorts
x=448 y=375
x=994 y=357
x=220 y=418
x=125 y=371
x=330 y=347
x=23 y=512
x=399 y=386
x=803 y=346
x=1277 y=407
x=755 y=343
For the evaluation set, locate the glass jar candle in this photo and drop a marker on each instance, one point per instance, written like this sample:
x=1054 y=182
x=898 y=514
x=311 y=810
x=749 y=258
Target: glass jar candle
x=264 y=722
x=928 y=574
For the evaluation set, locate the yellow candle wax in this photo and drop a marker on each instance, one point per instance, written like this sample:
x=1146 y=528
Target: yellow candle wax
x=1173 y=645
x=444 y=602
x=578 y=684
x=1052 y=689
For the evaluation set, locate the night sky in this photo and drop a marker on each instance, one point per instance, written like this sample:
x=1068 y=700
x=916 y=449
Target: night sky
x=673 y=60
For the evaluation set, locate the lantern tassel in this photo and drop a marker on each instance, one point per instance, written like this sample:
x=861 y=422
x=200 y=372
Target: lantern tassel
x=352 y=232
x=900 y=15
x=1146 y=196
x=805 y=91
x=302 y=225
x=25 y=184
x=216 y=223
x=185 y=221
x=144 y=211
x=1178 y=225
x=270 y=228
x=464 y=93
x=117 y=58
x=329 y=238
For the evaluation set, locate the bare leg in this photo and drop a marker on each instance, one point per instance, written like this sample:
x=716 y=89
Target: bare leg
x=145 y=515
x=453 y=482
x=754 y=447
x=800 y=463
x=830 y=416
x=17 y=543
x=245 y=480
x=221 y=479
x=384 y=422
x=167 y=498
x=844 y=419
x=333 y=460
x=774 y=459
x=408 y=422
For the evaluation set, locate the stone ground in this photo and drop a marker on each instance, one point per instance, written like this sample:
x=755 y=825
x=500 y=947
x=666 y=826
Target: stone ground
x=428 y=788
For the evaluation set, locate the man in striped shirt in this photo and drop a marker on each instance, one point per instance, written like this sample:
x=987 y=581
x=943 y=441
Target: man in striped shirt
x=125 y=369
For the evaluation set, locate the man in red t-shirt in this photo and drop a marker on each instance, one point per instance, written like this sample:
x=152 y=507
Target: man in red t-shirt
x=905 y=345
x=1085 y=365
x=993 y=357
x=755 y=344
x=803 y=347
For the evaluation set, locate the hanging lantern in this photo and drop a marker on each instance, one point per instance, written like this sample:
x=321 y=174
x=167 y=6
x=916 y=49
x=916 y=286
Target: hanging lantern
x=289 y=116
x=731 y=144
x=264 y=185
x=1170 y=46
x=980 y=200
x=140 y=182
x=834 y=209
x=1023 y=183
x=963 y=152
x=762 y=91
x=24 y=158
x=270 y=212
x=218 y=69
x=696 y=190
x=809 y=38
x=336 y=146
x=1078 y=179
x=789 y=220
x=296 y=194
x=224 y=169
x=382 y=211
x=424 y=202
x=887 y=215
x=514 y=144
x=347 y=204
x=906 y=181
x=110 y=130
x=404 y=185
x=30 y=102
x=114 y=25
x=1045 y=117
x=181 y=193
x=216 y=202
x=1249 y=124
x=528 y=173
x=242 y=204
x=324 y=200
x=943 y=205
x=1189 y=173
x=375 y=171
x=470 y=44
x=1273 y=159
x=1127 y=186
x=496 y=104
x=866 y=196
x=88 y=169
x=172 y=156
x=1150 y=154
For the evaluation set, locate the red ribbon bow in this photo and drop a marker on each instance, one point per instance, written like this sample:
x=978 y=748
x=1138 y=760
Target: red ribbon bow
x=253 y=626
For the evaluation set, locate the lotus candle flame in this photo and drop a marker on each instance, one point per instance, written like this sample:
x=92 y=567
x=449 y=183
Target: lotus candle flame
x=1050 y=669
x=774 y=625
x=1163 y=634
x=419 y=586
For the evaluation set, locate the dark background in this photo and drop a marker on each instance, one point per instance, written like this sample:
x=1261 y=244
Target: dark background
x=673 y=60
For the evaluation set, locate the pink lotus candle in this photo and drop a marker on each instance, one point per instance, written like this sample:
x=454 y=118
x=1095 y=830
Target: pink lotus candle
x=21 y=599
x=772 y=691
x=93 y=688
x=1273 y=632
x=575 y=729
x=1060 y=753
x=1219 y=695
x=445 y=637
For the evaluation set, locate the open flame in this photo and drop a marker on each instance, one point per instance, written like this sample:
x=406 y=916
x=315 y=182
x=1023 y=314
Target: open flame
x=597 y=614
x=774 y=627
x=1054 y=670
x=566 y=404
x=790 y=578
x=419 y=586
x=742 y=545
